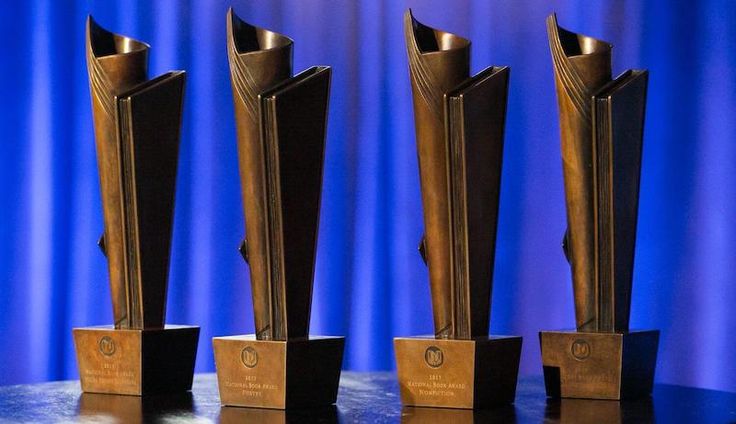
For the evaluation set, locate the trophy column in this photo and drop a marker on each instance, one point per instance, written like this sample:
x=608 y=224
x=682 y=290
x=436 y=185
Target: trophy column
x=281 y=123
x=601 y=125
x=460 y=128
x=137 y=123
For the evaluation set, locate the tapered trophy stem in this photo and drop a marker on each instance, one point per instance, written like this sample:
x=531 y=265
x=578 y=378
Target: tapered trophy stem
x=258 y=59
x=438 y=62
x=582 y=66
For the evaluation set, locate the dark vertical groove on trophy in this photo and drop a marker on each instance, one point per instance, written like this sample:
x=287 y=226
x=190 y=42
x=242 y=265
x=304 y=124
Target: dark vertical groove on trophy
x=604 y=236
x=582 y=65
x=458 y=231
x=275 y=239
x=129 y=210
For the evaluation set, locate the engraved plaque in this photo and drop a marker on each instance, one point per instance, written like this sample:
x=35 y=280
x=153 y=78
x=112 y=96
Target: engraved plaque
x=255 y=373
x=115 y=363
x=436 y=372
x=598 y=365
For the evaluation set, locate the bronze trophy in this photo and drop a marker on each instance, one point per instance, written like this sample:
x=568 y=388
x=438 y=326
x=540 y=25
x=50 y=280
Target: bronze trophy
x=459 y=129
x=137 y=122
x=601 y=125
x=281 y=122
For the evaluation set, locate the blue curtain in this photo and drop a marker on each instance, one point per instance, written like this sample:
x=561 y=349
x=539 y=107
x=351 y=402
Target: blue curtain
x=370 y=283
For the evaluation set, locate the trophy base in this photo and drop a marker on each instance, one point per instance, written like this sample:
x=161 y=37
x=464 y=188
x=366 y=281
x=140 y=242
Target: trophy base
x=136 y=362
x=278 y=374
x=468 y=374
x=599 y=365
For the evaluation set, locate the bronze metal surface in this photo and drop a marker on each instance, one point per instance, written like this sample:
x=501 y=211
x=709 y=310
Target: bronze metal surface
x=459 y=130
x=474 y=122
x=466 y=374
x=438 y=62
x=136 y=362
x=281 y=139
x=618 y=126
x=259 y=59
x=137 y=124
x=599 y=365
x=281 y=128
x=582 y=66
x=278 y=374
x=293 y=127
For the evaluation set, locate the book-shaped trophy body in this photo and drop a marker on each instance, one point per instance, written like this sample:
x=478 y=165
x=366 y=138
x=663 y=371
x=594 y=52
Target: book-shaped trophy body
x=601 y=125
x=459 y=130
x=137 y=124
x=281 y=122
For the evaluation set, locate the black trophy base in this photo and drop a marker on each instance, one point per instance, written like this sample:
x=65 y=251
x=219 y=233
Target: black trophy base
x=136 y=362
x=599 y=365
x=278 y=374
x=468 y=374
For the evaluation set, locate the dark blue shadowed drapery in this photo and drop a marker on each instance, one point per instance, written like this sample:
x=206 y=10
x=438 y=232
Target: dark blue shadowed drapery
x=370 y=282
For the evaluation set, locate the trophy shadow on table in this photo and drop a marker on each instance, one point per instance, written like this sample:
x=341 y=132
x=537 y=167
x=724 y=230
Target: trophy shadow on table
x=593 y=411
x=321 y=415
x=421 y=415
x=135 y=409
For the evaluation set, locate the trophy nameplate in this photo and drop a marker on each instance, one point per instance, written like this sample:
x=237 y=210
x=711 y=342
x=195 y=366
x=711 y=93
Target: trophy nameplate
x=137 y=123
x=602 y=124
x=460 y=127
x=281 y=124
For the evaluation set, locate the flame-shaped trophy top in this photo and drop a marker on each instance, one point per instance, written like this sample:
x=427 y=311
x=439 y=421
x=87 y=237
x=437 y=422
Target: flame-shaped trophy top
x=582 y=65
x=115 y=63
x=259 y=58
x=438 y=61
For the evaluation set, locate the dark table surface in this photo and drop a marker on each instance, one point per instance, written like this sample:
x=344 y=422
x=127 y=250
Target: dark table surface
x=363 y=398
